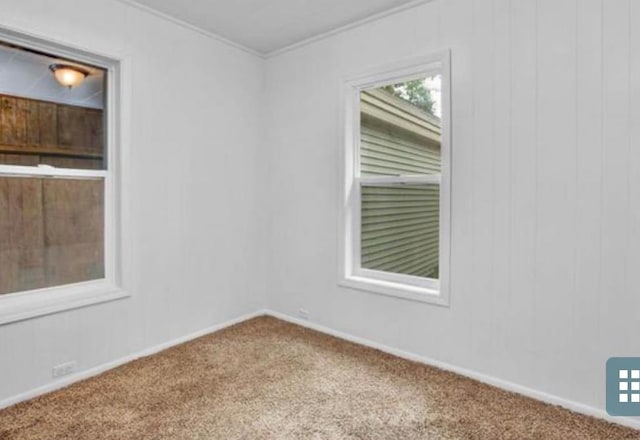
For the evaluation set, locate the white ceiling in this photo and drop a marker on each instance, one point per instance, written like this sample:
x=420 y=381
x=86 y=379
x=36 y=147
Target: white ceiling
x=27 y=74
x=268 y=25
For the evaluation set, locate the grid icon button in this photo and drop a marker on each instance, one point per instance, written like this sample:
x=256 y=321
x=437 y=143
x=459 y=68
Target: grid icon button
x=623 y=386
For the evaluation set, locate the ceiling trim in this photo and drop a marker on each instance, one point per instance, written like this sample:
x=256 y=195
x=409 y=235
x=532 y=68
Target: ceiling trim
x=192 y=27
x=282 y=50
x=345 y=28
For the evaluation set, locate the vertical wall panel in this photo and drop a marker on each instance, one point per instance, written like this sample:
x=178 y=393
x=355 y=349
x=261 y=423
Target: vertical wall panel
x=556 y=134
x=73 y=217
x=615 y=168
x=33 y=123
x=589 y=112
x=21 y=234
x=502 y=150
x=22 y=116
x=482 y=54
x=633 y=169
x=523 y=144
x=48 y=123
x=72 y=128
x=12 y=340
x=8 y=119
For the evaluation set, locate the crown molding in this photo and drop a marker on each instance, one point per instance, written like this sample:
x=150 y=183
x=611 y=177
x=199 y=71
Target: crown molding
x=324 y=35
x=182 y=23
x=285 y=49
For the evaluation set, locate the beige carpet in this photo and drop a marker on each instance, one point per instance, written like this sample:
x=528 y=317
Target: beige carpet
x=266 y=379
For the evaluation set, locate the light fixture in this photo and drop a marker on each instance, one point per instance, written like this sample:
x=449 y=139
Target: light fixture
x=67 y=75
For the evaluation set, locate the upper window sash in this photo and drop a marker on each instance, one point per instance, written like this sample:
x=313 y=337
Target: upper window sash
x=435 y=69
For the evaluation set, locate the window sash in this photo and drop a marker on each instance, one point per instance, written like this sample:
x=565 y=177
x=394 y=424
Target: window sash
x=39 y=302
x=107 y=283
x=351 y=273
x=51 y=172
x=359 y=181
x=358 y=270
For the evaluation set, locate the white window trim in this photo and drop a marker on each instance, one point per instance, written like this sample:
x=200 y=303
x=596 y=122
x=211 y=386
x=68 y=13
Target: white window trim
x=38 y=302
x=351 y=274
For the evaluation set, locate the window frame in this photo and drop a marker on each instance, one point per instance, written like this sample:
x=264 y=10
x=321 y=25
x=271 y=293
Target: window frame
x=28 y=304
x=351 y=273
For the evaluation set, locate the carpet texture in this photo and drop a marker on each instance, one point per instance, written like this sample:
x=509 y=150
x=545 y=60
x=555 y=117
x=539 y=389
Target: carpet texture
x=267 y=379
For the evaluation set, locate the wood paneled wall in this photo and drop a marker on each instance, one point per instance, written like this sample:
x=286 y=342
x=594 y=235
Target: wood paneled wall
x=60 y=135
x=201 y=282
x=545 y=207
x=51 y=230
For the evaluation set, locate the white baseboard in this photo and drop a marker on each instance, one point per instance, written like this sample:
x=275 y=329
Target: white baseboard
x=82 y=375
x=490 y=380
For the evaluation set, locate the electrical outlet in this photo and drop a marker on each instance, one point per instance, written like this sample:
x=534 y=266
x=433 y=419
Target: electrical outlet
x=64 y=369
x=303 y=313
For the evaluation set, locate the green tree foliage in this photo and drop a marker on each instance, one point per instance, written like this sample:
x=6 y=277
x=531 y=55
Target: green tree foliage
x=414 y=92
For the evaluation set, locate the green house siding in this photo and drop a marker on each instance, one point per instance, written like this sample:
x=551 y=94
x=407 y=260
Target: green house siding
x=399 y=223
x=385 y=152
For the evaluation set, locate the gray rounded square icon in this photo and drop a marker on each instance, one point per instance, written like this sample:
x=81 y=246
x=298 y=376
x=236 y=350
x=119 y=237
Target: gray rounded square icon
x=623 y=386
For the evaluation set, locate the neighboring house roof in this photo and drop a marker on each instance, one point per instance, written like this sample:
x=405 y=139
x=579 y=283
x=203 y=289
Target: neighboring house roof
x=400 y=114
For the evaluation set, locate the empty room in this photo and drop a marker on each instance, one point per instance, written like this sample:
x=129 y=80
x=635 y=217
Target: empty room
x=329 y=219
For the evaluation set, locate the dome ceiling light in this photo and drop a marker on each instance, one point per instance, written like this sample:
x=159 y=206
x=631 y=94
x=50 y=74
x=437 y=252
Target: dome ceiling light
x=69 y=76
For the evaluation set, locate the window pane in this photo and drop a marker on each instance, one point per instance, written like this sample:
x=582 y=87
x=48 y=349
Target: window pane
x=400 y=229
x=51 y=232
x=45 y=122
x=400 y=128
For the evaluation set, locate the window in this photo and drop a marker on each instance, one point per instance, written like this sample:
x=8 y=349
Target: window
x=58 y=200
x=397 y=181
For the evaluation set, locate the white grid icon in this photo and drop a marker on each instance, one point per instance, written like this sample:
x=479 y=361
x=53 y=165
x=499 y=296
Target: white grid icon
x=629 y=386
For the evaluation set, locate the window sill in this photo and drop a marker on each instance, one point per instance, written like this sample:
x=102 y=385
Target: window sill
x=398 y=290
x=30 y=304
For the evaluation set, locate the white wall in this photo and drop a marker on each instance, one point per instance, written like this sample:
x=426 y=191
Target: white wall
x=546 y=188
x=196 y=248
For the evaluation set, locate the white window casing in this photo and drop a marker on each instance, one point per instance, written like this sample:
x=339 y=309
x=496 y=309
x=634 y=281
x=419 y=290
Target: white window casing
x=351 y=274
x=28 y=304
